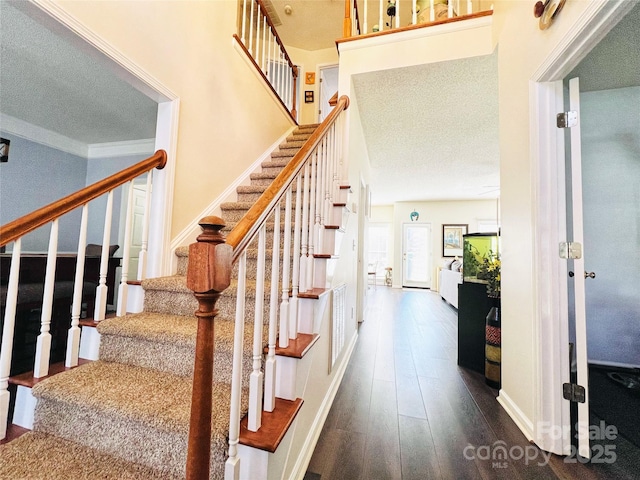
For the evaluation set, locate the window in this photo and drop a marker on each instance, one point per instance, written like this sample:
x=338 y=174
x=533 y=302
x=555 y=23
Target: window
x=379 y=234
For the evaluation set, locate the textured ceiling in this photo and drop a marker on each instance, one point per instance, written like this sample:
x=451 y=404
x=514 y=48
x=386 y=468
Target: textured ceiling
x=432 y=130
x=48 y=83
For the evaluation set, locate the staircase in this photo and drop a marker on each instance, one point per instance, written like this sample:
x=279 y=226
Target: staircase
x=127 y=414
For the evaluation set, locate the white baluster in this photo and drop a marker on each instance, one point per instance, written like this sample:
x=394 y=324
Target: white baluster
x=256 y=55
x=102 y=289
x=365 y=27
x=381 y=19
x=270 y=364
x=232 y=466
x=312 y=216
x=73 y=336
x=250 y=48
x=295 y=275
x=304 y=242
x=320 y=207
x=6 y=351
x=244 y=23
x=469 y=7
x=450 y=9
x=256 y=378
x=43 y=344
x=414 y=14
x=265 y=44
x=286 y=262
x=432 y=12
x=398 y=13
x=123 y=289
x=144 y=247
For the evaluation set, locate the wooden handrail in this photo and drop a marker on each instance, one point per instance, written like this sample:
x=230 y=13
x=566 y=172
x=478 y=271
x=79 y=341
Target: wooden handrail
x=417 y=26
x=23 y=225
x=248 y=226
x=292 y=112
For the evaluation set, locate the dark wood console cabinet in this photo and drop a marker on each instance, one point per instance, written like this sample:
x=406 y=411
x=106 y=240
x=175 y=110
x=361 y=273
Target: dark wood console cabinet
x=473 y=307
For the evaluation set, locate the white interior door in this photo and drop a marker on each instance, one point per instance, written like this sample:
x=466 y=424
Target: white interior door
x=328 y=88
x=137 y=225
x=416 y=255
x=580 y=273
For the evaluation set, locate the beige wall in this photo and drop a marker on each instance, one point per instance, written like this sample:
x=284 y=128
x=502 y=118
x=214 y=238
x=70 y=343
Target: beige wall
x=187 y=46
x=310 y=61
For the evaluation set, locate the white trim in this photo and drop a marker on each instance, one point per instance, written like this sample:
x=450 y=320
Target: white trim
x=92 y=43
x=267 y=86
x=48 y=138
x=547 y=160
x=597 y=20
x=521 y=420
x=417 y=33
x=309 y=445
x=191 y=231
x=67 y=26
x=121 y=149
x=549 y=220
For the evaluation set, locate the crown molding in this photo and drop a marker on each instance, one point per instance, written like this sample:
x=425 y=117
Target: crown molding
x=121 y=149
x=33 y=133
x=40 y=135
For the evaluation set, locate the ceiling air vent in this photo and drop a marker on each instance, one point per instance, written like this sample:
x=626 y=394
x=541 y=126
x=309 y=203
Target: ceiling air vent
x=273 y=15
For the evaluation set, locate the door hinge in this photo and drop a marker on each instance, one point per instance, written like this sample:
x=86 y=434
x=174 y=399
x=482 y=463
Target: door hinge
x=570 y=250
x=573 y=392
x=567 y=119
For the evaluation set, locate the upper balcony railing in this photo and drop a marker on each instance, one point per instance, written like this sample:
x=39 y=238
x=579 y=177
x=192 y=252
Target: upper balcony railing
x=364 y=17
x=260 y=41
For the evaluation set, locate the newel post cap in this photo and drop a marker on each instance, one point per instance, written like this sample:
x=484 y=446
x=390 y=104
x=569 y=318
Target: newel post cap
x=210 y=259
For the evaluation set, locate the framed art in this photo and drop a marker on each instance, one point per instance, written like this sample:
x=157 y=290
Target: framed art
x=452 y=239
x=310 y=78
x=308 y=96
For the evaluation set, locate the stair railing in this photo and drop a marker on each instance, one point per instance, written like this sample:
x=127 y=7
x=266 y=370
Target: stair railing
x=260 y=41
x=291 y=217
x=422 y=12
x=12 y=234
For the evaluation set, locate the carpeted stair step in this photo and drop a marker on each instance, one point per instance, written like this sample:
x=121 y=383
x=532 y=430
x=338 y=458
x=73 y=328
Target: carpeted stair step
x=40 y=456
x=170 y=295
x=136 y=414
x=167 y=343
x=234 y=211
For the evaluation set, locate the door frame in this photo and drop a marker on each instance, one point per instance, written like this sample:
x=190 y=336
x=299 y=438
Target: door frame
x=78 y=34
x=320 y=67
x=551 y=426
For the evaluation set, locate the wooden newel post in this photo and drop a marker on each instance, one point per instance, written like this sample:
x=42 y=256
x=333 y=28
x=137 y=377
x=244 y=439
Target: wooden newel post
x=208 y=274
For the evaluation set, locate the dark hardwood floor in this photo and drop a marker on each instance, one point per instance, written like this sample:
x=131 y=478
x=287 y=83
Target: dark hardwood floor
x=405 y=410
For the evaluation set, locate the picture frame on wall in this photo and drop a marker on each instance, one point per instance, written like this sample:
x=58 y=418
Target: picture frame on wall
x=308 y=96
x=452 y=239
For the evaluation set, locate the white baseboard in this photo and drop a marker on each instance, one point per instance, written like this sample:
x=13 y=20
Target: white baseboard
x=190 y=232
x=523 y=422
x=302 y=462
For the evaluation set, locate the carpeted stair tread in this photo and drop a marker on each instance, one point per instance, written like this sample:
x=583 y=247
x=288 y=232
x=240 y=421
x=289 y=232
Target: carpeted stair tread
x=138 y=414
x=39 y=456
x=178 y=284
x=172 y=329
